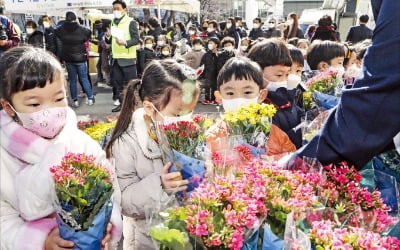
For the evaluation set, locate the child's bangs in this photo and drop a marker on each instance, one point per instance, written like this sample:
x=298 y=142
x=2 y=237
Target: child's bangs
x=34 y=70
x=240 y=69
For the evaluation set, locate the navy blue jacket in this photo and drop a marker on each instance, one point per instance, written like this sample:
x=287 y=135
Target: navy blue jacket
x=368 y=116
x=358 y=33
x=288 y=115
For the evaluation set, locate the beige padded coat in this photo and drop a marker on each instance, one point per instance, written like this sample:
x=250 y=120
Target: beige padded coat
x=138 y=167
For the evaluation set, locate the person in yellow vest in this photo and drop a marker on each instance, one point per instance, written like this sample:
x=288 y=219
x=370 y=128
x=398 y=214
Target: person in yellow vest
x=124 y=38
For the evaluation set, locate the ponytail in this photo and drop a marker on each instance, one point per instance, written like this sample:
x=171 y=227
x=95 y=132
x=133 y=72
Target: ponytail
x=128 y=107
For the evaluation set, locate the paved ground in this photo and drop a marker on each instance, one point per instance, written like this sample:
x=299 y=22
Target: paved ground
x=104 y=104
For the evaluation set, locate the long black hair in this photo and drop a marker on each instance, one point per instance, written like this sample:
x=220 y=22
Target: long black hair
x=159 y=78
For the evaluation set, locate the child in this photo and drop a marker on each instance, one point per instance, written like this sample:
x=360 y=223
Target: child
x=143 y=179
x=209 y=76
x=244 y=47
x=148 y=53
x=193 y=58
x=294 y=79
x=37 y=128
x=228 y=46
x=323 y=55
x=274 y=58
x=165 y=52
x=303 y=45
x=240 y=82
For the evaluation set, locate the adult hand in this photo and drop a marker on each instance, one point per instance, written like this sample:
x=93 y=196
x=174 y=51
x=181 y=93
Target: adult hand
x=121 y=41
x=107 y=237
x=3 y=43
x=172 y=182
x=55 y=242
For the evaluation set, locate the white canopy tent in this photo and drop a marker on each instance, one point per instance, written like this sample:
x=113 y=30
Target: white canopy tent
x=59 y=7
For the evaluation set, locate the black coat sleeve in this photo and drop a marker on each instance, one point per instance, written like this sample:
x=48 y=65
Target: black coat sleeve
x=133 y=30
x=367 y=117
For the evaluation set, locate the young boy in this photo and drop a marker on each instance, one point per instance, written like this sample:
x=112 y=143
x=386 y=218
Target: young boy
x=228 y=46
x=209 y=76
x=323 y=55
x=240 y=82
x=294 y=79
x=274 y=58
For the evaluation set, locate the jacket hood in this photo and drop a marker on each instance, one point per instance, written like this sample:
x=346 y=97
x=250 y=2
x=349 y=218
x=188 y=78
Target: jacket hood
x=71 y=26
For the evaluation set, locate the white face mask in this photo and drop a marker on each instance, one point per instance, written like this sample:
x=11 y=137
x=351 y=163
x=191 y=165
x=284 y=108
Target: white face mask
x=187 y=117
x=235 y=104
x=173 y=119
x=149 y=46
x=256 y=25
x=289 y=22
x=46 y=25
x=273 y=86
x=303 y=51
x=165 y=53
x=271 y=25
x=192 y=32
x=229 y=48
x=339 y=69
x=160 y=43
x=29 y=31
x=353 y=71
x=209 y=30
x=198 y=47
x=293 y=81
x=210 y=46
x=243 y=47
x=117 y=14
x=228 y=25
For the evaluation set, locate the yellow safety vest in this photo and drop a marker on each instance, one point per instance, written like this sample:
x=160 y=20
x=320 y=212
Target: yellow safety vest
x=119 y=51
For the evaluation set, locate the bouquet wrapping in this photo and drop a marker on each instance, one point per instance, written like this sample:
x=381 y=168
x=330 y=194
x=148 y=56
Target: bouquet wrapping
x=84 y=200
x=183 y=143
x=325 y=90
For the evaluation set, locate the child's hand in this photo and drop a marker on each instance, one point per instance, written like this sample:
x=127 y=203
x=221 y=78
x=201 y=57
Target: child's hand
x=107 y=237
x=55 y=242
x=172 y=182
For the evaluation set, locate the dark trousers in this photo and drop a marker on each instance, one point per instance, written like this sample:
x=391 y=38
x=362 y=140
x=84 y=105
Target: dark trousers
x=99 y=71
x=210 y=88
x=120 y=76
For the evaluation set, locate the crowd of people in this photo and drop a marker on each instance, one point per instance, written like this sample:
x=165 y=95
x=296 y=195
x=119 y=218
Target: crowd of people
x=151 y=63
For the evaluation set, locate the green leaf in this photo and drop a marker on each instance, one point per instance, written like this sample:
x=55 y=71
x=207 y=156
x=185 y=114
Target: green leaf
x=171 y=238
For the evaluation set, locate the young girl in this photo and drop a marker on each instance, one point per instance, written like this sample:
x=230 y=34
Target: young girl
x=274 y=58
x=244 y=47
x=165 y=52
x=37 y=129
x=240 y=82
x=143 y=178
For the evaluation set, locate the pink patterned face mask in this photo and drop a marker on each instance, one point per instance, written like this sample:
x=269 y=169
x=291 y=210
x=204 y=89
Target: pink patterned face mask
x=46 y=123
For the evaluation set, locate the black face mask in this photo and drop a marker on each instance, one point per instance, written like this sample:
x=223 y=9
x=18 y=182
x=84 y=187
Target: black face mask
x=204 y=28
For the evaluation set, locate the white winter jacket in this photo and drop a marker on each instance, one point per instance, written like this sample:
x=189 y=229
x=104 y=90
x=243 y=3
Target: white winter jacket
x=27 y=191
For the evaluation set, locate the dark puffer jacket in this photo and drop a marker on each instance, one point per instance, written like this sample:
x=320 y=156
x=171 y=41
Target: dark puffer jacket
x=36 y=39
x=209 y=76
x=73 y=37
